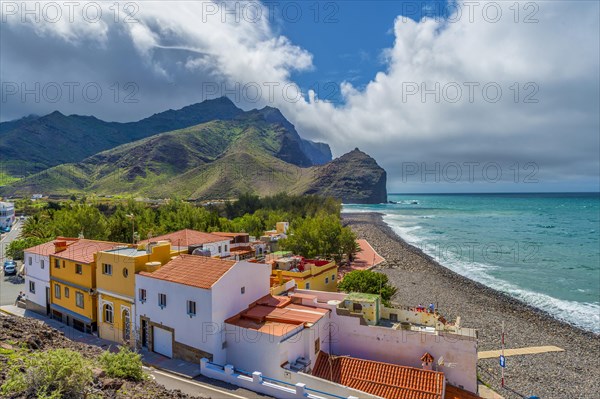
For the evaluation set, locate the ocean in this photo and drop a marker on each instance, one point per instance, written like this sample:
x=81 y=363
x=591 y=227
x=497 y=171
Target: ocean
x=543 y=249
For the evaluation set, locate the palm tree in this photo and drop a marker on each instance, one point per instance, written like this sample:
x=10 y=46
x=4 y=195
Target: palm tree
x=37 y=226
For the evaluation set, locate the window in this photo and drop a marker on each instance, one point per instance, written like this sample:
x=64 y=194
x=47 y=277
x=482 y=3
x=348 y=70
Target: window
x=191 y=308
x=78 y=269
x=79 y=299
x=326 y=280
x=57 y=291
x=307 y=286
x=219 y=249
x=332 y=277
x=243 y=290
x=107 y=269
x=30 y=260
x=142 y=295
x=32 y=287
x=162 y=300
x=125 y=272
x=317 y=346
x=42 y=263
x=66 y=292
x=57 y=263
x=225 y=248
x=108 y=313
x=126 y=326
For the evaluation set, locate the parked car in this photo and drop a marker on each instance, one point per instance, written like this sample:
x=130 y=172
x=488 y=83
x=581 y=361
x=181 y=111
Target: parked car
x=6 y=229
x=10 y=267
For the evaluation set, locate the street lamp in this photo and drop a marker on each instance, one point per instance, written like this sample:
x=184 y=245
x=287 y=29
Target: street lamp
x=132 y=217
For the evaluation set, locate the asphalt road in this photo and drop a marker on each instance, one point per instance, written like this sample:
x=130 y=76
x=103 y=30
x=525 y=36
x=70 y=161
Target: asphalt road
x=203 y=387
x=9 y=285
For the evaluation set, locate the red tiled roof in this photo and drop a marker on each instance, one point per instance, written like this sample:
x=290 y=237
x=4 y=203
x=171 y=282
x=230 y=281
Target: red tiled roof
x=187 y=237
x=453 y=392
x=389 y=381
x=427 y=358
x=276 y=316
x=48 y=248
x=196 y=271
x=226 y=234
x=83 y=250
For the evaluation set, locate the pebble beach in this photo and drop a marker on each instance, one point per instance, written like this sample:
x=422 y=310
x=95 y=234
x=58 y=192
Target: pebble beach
x=573 y=373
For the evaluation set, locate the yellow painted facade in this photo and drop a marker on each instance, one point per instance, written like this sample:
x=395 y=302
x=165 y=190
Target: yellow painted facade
x=71 y=285
x=319 y=278
x=115 y=279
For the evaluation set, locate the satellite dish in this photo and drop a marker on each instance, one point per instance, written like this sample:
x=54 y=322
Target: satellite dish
x=201 y=252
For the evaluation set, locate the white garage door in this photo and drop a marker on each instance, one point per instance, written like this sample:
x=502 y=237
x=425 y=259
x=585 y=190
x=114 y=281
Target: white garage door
x=162 y=341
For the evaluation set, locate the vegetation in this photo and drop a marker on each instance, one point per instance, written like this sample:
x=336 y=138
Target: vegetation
x=53 y=374
x=322 y=235
x=368 y=282
x=16 y=247
x=124 y=364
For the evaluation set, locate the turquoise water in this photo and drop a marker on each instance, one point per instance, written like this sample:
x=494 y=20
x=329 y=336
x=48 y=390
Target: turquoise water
x=543 y=249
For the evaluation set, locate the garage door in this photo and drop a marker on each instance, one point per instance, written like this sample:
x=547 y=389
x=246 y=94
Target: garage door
x=162 y=341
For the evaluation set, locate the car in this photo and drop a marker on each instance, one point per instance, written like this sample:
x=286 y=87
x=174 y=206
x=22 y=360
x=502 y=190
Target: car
x=10 y=267
x=6 y=229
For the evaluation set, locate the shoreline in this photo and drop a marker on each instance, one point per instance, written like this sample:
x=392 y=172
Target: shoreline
x=421 y=279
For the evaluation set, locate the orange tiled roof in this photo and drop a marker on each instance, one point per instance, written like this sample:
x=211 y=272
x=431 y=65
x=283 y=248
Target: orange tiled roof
x=196 y=271
x=427 y=358
x=453 y=392
x=48 y=248
x=226 y=234
x=187 y=237
x=83 y=250
x=389 y=381
x=276 y=316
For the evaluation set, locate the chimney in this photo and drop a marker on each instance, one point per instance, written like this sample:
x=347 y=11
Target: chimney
x=59 y=246
x=427 y=360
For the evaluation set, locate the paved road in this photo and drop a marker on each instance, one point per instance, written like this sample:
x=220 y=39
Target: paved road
x=203 y=387
x=9 y=285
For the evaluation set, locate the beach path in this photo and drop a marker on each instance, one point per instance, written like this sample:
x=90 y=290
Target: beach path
x=530 y=350
x=366 y=259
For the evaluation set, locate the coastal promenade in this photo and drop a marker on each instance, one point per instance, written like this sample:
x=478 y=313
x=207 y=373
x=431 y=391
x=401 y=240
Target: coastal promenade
x=367 y=258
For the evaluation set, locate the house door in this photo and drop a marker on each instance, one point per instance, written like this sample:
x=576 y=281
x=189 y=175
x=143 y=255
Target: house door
x=47 y=300
x=162 y=341
x=144 y=334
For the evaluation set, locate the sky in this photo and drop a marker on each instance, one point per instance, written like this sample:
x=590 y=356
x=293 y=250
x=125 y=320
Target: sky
x=455 y=96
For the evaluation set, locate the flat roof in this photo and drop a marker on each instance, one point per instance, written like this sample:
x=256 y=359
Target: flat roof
x=187 y=237
x=127 y=251
x=276 y=316
x=361 y=296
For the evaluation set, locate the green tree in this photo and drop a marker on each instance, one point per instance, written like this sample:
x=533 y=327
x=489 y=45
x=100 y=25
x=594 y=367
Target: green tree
x=368 y=282
x=123 y=364
x=39 y=226
x=81 y=218
x=15 y=248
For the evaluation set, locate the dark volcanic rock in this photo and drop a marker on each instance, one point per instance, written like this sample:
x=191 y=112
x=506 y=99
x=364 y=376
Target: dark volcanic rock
x=354 y=178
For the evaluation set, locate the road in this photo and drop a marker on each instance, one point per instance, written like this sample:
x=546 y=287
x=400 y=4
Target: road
x=9 y=285
x=203 y=387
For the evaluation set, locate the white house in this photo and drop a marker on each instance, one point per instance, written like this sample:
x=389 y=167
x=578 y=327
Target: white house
x=181 y=307
x=7 y=214
x=193 y=240
x=37 y=275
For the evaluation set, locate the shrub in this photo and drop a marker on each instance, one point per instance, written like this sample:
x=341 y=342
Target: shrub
x=123 y=364
x=368 y=282
x=53 y=374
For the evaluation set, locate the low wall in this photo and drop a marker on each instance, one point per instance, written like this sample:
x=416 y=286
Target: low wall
x=303 y=385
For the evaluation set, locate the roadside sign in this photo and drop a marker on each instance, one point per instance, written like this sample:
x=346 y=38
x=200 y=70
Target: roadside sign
x=502 y=361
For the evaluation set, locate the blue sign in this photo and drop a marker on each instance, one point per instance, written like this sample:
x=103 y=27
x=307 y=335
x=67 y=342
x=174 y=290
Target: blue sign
x=502 y=361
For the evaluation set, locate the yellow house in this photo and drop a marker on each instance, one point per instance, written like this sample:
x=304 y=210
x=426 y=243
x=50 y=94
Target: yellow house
x=309 y=274
x=115 y=279
x=73 y=281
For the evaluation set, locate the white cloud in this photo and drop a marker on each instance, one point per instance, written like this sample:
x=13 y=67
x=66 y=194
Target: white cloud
x=175 y=48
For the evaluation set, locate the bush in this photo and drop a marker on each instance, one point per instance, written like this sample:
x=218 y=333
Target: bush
x=54 y=374
x=123 y=364
x=368 y=282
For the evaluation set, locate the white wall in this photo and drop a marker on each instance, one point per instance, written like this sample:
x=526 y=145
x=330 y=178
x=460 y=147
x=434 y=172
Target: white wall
x=214 y=248
x=193 y=331
x=405 y=347
x=35 y=273
x=227 y=297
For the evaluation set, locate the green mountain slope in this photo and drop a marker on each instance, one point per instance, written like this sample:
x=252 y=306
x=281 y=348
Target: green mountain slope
x=219 y=159
x=32 y=144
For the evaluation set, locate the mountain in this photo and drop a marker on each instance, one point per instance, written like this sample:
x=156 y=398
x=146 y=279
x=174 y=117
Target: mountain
x=217 y=159
x=33 y=143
